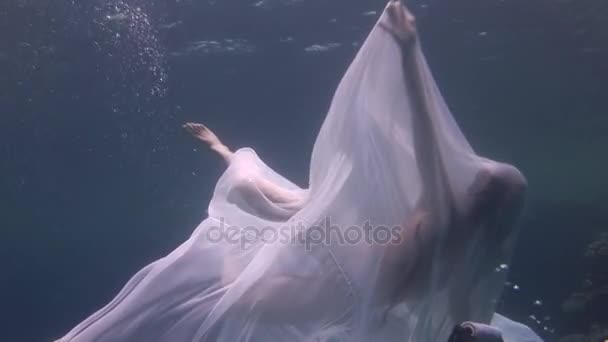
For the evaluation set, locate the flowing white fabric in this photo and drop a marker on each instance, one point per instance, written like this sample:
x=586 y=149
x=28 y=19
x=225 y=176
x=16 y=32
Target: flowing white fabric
x=255 y=271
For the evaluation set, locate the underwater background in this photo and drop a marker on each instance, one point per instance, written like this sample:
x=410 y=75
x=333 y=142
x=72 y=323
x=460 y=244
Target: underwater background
x=98 y=178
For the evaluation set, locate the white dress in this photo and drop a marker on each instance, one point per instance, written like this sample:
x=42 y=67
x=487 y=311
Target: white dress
x=255 y=271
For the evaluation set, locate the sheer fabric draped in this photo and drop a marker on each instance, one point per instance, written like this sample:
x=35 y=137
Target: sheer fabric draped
x=268 y=279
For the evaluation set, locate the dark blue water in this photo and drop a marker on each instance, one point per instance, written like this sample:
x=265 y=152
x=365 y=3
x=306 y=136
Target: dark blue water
x=98 y=178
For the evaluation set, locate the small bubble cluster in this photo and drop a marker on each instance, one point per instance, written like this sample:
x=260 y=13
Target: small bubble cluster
x=131 y=39
x=537 y=320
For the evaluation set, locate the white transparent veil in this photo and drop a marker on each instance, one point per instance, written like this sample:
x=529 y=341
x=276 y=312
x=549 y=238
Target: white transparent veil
x=254 y=270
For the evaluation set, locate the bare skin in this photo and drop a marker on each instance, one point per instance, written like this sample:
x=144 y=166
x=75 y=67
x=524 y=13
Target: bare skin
x=204 y=134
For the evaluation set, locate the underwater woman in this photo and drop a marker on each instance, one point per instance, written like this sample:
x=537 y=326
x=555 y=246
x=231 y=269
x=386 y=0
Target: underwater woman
x=389 y=154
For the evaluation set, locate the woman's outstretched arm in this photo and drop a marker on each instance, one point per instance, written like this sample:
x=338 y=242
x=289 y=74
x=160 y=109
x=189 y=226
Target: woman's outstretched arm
x=251 y=183
x=401 y=25
x=204 y=134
